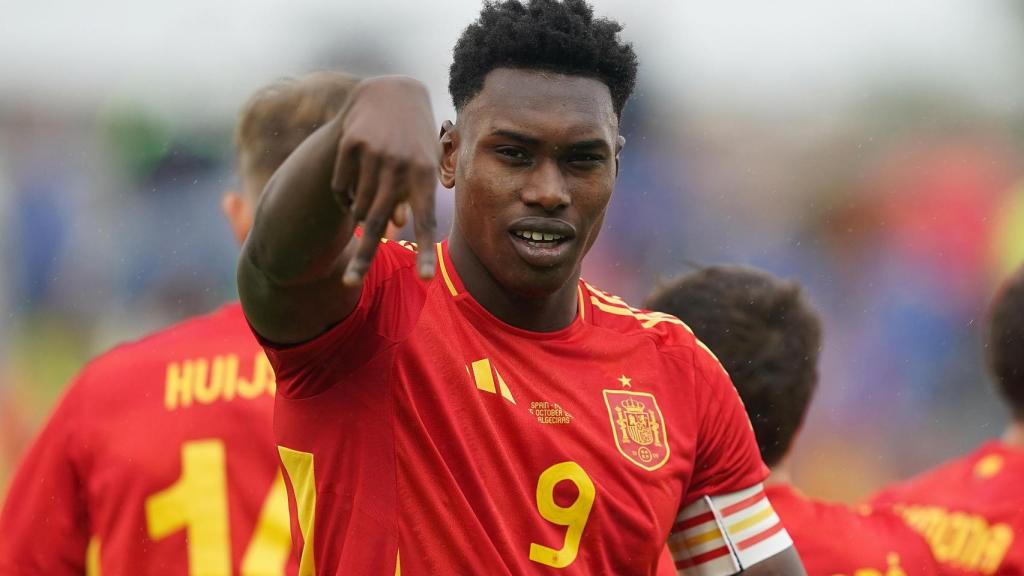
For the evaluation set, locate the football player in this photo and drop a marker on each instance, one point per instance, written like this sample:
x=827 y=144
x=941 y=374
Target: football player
x=500 y=416
x=971 y=509
x=160 y=457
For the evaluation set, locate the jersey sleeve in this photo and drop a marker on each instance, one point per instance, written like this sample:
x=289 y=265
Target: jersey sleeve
x=44 y=522
x=728 y=459
x=388 y=306
x=726 y=523
x=726 y=534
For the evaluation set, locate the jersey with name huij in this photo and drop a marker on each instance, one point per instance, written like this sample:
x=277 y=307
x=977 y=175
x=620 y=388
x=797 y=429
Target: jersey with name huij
x=422 y=435
x=159 y=460
x=970 y=510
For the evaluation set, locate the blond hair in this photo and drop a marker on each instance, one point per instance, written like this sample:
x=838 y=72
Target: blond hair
x=278 y=117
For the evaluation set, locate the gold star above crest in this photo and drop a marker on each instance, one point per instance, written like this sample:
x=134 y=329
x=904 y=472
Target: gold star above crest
x=626 y=382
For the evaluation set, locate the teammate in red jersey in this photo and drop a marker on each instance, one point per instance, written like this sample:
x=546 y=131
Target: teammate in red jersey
x=971 y=510
x=503 y=417
x=768 y=338
x=160 y=457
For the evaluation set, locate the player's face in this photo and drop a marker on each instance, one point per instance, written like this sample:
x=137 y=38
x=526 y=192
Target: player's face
x=533 y=162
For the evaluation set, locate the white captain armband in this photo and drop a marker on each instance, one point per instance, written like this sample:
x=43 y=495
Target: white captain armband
x=725 y=534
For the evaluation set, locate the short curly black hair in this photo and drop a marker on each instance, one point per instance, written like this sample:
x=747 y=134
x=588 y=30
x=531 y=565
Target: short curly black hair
x=767 y=336
x=556 y=36
x=1006 y=340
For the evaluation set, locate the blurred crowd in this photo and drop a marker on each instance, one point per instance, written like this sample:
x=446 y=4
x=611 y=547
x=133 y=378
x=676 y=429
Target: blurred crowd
x=900 y=215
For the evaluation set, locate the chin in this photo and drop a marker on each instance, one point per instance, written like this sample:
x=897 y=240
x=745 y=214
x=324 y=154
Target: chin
x=537 y=283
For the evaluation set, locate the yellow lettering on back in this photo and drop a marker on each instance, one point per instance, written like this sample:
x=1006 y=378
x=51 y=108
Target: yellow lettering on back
x=205 y=381
x=209 y=388
x=961 y=540
x=178 y=386
x=229 y=374
x=262 y=379
x=997 y=547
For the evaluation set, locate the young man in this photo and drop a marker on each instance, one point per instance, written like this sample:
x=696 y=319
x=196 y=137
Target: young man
x=503 y=417
x=160 y=458
x=768 y=337
x=971 y=510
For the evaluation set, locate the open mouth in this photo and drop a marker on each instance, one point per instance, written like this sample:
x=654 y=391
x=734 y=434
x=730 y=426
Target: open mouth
x=543 y=242
x=540 y=239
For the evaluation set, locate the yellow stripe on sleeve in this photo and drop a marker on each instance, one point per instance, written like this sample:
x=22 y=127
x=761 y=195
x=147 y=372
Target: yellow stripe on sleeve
x=92 y=557
x=299 y=466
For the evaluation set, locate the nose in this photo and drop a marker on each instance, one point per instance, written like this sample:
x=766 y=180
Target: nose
x=547 y=187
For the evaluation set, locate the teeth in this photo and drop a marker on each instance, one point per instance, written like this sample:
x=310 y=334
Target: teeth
x=539 y=236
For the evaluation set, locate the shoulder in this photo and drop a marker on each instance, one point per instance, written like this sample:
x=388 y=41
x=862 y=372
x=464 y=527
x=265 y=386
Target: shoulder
x=954 y=470
x=612 y=313
x=221 y=331
x=865 y=530
x=668 y=334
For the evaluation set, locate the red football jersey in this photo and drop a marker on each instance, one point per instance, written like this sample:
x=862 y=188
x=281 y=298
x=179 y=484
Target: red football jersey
x=971 y=510
x=158 y=460
x=422 y=435
x=833 y=539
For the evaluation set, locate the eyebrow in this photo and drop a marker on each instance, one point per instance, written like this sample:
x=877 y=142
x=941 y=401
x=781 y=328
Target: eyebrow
x=521 y=138
x=591 y=144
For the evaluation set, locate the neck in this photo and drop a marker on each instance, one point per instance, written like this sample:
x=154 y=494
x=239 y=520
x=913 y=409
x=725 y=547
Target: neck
x=781 y=472
x=1014 y=435
x=545 y=314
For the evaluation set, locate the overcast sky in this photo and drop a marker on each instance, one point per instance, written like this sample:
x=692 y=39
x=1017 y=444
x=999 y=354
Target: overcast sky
x=204 y=57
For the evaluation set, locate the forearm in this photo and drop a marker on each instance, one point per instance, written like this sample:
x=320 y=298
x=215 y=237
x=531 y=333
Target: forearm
x=301 y=271
x=302 y=225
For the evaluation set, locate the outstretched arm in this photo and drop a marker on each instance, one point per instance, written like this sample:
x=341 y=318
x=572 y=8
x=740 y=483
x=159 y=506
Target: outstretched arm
x=301 y=269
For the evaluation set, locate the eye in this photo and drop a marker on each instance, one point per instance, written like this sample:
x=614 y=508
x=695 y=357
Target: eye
x=512 y=154
x=585 y=160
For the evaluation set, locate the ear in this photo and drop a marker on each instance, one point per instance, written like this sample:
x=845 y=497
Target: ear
x=449 y=153
x=238 y=212
x=620 y=143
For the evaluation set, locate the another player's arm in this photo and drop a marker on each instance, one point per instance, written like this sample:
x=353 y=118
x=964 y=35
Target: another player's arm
x=301 y=269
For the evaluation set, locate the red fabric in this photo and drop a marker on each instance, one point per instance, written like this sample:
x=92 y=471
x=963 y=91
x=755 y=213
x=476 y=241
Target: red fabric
x=411 y=455
x=112 y=444
x=833 y=539
x=971 y=510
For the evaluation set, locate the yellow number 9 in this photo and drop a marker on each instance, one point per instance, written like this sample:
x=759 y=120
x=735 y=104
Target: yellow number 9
x=574 y=516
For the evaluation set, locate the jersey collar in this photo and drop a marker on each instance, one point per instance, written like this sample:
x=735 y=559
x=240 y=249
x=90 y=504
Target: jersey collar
x=457 y=290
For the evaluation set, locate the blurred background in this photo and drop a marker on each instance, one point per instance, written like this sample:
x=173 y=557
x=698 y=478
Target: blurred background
x=870 y=150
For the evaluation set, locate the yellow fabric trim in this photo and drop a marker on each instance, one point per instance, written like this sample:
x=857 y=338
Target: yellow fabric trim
x=482 y=375
x=703 y=538
x=444 y=271
x=505 y=392
x=747 y=523
x=92 y=557
x=299 y=466
x=618 y=310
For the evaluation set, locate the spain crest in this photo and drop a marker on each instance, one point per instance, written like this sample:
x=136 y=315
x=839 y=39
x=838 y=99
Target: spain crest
x=638 y=427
